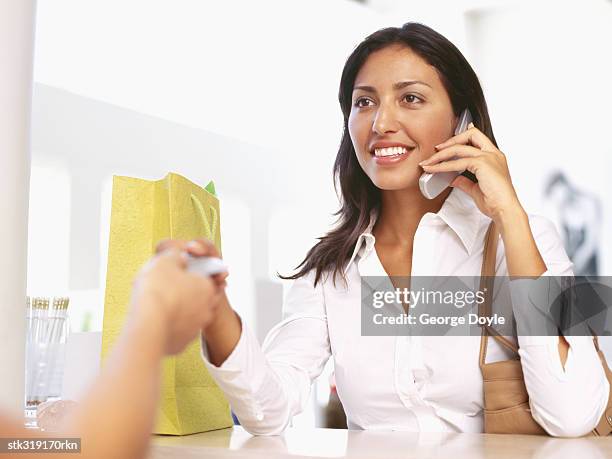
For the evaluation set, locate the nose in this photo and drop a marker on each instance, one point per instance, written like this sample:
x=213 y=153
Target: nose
x=385 y=120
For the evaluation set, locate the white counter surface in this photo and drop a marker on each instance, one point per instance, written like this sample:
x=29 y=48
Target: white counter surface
x=300 y=442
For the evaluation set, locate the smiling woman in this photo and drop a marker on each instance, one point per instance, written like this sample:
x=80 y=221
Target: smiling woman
x=401 y=93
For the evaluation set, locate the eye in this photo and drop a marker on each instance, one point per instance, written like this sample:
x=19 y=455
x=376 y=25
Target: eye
x=411 y=98
x=358 y=102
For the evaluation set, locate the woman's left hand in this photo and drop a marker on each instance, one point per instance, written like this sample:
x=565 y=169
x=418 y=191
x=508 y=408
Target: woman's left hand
x=494 y=193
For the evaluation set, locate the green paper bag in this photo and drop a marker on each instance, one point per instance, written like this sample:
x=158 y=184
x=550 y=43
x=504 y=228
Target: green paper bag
x=143 y=213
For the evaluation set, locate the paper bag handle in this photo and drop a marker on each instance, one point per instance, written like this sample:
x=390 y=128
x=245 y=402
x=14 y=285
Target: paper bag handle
x=210 y=232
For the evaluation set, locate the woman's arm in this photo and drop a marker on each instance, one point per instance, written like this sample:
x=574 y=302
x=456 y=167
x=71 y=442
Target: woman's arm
x=523 y=258
x=567 y=386
x=116 y=418
x=267 y=385
x=169 y=306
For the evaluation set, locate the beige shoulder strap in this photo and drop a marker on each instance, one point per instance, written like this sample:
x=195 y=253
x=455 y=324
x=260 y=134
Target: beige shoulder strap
x=487 y=278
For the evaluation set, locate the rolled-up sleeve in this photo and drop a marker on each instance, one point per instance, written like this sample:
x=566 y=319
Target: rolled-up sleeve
x=567 y=401
x=267 y=385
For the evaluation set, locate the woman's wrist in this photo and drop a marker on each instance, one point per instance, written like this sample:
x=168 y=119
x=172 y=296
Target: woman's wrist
x=511 y=218
x=223 y=314
x=222 y=335
x=523 y=257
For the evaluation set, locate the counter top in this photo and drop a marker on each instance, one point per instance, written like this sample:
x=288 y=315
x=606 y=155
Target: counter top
x=334 y=443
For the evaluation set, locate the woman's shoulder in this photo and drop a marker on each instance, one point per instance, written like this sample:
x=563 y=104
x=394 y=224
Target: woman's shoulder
x=312 y=289
x=304 y=293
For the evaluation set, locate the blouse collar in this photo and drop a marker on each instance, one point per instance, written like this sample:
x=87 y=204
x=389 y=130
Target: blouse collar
x=459 y=212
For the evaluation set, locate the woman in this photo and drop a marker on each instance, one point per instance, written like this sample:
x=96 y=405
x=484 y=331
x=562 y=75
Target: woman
x=401 y=92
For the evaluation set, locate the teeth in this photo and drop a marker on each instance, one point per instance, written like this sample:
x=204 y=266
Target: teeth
x=390 y=151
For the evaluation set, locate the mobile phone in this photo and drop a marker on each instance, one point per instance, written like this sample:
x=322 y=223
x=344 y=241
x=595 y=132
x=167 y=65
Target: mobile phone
x=431 y=185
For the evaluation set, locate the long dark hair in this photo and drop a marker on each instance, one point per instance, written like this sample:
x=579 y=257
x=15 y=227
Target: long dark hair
x=358 y=195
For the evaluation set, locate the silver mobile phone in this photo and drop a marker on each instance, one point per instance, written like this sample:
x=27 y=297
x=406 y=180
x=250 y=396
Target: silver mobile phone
x=432 y=185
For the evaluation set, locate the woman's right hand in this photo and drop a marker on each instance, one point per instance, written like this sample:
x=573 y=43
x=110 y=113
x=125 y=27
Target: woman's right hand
x=179 y=302
x=223 y=329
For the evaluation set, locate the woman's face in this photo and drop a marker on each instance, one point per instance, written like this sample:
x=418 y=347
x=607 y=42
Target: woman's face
x=400 y=111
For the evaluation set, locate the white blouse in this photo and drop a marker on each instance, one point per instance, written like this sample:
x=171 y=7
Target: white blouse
x=414 y=383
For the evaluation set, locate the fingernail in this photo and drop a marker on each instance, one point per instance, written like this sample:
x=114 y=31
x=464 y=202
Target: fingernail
x=437 y=147
x=471 y=125
x=194 y=245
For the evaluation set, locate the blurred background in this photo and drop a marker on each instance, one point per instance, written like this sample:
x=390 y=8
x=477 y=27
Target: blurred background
x=245 y=93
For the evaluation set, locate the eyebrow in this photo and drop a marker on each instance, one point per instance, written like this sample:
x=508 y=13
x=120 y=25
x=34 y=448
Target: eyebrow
x=396 y=86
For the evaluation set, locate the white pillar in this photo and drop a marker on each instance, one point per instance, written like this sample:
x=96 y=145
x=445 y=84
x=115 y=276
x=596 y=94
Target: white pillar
x=17 y=19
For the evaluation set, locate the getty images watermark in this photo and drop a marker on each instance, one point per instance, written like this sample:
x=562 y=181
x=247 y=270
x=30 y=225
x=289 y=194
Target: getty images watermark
x=461 y=306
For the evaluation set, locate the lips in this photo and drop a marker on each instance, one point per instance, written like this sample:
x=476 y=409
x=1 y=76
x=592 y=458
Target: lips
x=388 y=148
x=391 y=156
x=391 y=151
